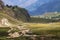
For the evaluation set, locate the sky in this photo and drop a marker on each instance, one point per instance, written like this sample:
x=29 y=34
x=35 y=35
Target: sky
x=30 y=5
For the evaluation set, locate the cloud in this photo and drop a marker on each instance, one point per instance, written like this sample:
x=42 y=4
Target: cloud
x=22 y=3
x=11 y=2
x=8 y=2
x=28 y=3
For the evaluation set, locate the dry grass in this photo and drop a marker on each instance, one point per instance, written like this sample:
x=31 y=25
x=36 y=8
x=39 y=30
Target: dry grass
x=45 y=26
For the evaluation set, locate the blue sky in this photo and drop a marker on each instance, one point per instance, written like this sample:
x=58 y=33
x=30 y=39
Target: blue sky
x=30 y=5
x=25 y=3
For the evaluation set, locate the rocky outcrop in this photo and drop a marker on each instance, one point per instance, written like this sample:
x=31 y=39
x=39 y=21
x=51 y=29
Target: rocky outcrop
x=1 y=4
x=5 y=22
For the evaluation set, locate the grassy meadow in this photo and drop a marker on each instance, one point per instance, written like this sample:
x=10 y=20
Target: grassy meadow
x=37 y=29
x=44 y=28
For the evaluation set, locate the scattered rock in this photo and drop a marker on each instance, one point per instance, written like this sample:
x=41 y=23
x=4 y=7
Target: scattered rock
x=13 y=35
x=22 y=31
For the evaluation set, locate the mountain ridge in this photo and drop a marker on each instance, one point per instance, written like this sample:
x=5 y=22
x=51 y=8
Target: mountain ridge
x=51 y=6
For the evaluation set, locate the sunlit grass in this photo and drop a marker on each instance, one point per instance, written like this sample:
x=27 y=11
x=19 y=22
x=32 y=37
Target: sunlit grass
x=46 y=28
x=40 y=29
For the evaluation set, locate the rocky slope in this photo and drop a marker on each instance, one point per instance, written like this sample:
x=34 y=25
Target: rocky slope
x=14 y=13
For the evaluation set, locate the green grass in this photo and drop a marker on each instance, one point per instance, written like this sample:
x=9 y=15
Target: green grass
x=44 y=29
x=4 y=29
x=38 y=29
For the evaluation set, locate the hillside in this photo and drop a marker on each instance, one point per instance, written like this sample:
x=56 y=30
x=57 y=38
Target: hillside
x=46 y=17
x=14 y=12
x=18 y=13
x=11 y=20
x=51 y=15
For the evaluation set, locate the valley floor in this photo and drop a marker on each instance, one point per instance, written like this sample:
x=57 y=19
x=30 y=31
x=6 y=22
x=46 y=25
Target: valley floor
x=44 y=29
x=43 y=25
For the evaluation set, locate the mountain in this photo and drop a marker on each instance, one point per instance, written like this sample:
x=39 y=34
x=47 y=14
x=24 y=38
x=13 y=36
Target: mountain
x=49 y=15
x=14 y=13
x=18 y=13
x=51 y=6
